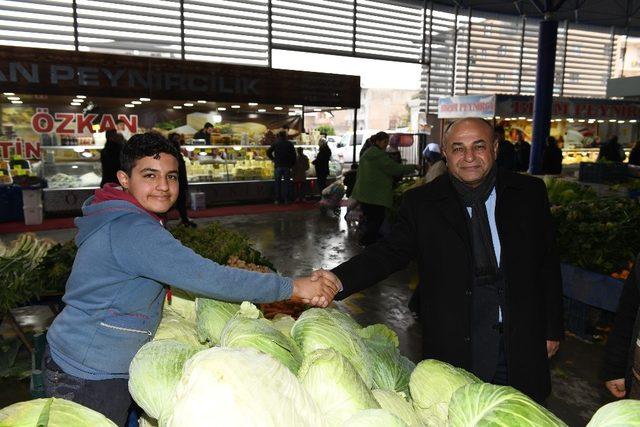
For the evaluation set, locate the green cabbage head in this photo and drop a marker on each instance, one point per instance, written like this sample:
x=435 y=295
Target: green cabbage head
x=242 y=332
x=211 y=317
x=241 y=387
x=374 y=418
x=497 y=406
x=389 y=369
x=335 y=386
x=175 y=327
x=154 y=374
x=397 y=404
x=51 y=412
x=432 y=384
x=624 y=412
x=319 y=328
x=182 y=303
x=283 y=323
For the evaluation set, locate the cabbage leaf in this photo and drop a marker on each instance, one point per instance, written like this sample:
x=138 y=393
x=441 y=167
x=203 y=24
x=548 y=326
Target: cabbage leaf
x=211 y=317
x=374 y=418
x=397 y=404
x=51 y=412
x=624 y=412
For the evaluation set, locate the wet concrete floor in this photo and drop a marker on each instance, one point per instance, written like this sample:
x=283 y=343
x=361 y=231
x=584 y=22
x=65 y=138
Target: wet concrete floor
x=299 y=242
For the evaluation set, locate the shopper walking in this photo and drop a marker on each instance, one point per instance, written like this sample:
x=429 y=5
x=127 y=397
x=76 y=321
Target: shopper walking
x=552 y=158
x=523 y=152
x=110 y=157
x=622 y=355
x=374 y=185
x=283 y=154
x=634 y=156
x=177 y=141
x=321 y=164
x=506 y=151
x=611 y=150
x=490 y=289
x=300 y=169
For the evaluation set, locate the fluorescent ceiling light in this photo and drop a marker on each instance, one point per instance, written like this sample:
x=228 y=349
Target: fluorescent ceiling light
x=222 y=109
x=129 y=105
x=8 y=93
x=235 y=106
x=298 y=105
x=16 y=102
x=253 y=104
x=277 y=108
x=76 y=104
x=136 y=102
x=13 y=98
x=81 y=96
x=201 y=101
x=188 y=104
x=145 y=99
x=261 y=110
x=177 y=107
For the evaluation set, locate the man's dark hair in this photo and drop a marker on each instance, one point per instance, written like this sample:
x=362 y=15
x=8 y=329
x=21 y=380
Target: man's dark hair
x=207 y=125
x=380 y=136
x=283 y=135
x=150 y=144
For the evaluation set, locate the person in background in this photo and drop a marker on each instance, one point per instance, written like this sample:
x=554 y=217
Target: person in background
x=506 y=151
x=523 y=152
x=437 y=166
x=177 y=141
x=321 y=163
x=374 y=185
x=110 y=156
x=634 y=155
x=490 y=288
x=612 y=150
x=349 y=179
x=300 y=169
x=205 y=133
x=123 y=130
x=621 y=369
x=551 y=158
x=367 y=144
x=125 y=260
x=283 y=155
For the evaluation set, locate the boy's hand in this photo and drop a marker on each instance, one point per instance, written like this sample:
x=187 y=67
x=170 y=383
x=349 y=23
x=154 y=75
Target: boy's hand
x=616 y=387
x=316 y=291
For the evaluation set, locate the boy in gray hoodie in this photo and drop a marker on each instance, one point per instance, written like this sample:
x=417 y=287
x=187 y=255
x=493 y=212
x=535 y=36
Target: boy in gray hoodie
x=115 y=292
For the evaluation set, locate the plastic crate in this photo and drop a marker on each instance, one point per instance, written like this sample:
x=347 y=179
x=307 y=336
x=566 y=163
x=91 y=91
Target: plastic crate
x=603 y=172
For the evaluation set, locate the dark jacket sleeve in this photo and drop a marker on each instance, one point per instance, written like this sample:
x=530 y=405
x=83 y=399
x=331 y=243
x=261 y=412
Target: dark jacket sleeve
x=621 y=336
x=383 y=258
x=550 y=273
x=270 y=152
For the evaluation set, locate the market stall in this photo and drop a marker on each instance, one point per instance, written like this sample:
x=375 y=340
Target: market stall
x=579 y=124
x=54 y=112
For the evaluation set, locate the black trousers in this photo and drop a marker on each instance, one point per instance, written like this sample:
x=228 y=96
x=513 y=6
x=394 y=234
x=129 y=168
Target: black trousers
x=109 y=397
x=501 y=376
x=374 y=217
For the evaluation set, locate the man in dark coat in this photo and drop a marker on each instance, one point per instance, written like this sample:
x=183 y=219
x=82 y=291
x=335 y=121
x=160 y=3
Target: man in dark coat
x=490 y=288
x=283 y=154
x=506 y=151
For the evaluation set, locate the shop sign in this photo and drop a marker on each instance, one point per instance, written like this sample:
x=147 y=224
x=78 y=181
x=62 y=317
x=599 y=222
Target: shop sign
x=78 y=123
x=573 y=108
x=23 y=149
x=45 y=71
x=466 y=106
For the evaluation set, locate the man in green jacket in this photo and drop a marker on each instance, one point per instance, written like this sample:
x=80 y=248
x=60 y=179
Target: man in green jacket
x=374 y=185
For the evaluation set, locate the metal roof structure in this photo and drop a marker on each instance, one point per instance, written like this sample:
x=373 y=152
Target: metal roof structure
x=623 y=15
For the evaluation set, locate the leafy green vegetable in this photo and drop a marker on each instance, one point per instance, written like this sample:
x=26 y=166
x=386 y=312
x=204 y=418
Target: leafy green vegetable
x=375 y=418
x=51 y=412
x=53 y=271
x=397 y=404
x=320 y=328
x=154 y=373
x=493 y=405
x=380 y=332
x=211 y=317
x=624 y=412
x=175 y=327
x=241 y=387
x=335 y=386
x=283 y=323
x=432 y=384
x=182 y=303
x=259 y=333
x=562 y=192
x=390 y=370
x=601 y=235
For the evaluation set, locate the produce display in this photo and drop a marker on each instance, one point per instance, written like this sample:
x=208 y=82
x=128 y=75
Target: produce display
x=317 y=371
x=17 y=266
x=600 y=235
x=561 y=191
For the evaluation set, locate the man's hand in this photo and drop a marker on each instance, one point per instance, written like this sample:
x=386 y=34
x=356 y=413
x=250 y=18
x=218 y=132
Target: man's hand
x=316 y=291
x=616 y=387
x=327 y=275
x=552 y=348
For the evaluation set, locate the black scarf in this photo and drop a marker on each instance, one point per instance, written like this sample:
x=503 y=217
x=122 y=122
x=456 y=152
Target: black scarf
x=484 y=256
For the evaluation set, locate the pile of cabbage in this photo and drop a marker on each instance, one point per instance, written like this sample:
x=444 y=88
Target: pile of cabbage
x=220 y=363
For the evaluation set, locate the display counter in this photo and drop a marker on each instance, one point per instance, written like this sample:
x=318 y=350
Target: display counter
x=577 y=155
x=224 y=173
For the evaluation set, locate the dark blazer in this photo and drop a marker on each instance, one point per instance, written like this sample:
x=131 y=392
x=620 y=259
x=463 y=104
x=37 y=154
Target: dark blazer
x=432 y=230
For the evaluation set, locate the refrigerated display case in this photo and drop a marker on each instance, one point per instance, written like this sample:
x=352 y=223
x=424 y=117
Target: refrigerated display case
x=224 y=173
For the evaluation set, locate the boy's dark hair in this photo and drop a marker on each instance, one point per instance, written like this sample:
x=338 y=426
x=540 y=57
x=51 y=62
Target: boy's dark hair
x=150 y=144
x=380 y=136
x=207 y=125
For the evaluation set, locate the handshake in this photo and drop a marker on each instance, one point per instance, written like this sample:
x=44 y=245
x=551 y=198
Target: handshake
x=318 y=290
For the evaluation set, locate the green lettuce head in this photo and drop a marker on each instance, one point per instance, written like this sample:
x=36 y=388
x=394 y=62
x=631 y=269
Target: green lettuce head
x=624 y=412
x=211 y=317
x=51 y=412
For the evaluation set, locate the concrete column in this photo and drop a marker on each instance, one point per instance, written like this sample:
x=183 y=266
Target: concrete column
x=544 y=91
